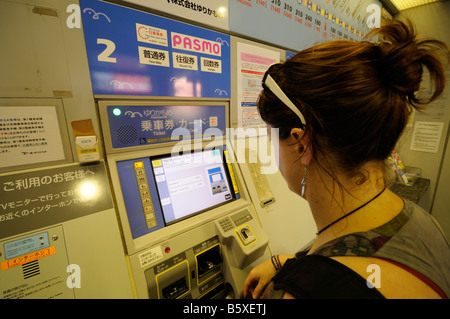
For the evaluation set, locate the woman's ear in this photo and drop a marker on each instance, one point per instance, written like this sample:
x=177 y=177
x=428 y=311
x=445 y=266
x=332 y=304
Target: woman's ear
x=303 y=146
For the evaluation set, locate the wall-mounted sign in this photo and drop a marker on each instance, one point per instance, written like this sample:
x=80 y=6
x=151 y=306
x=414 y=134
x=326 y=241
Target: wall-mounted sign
x=131 y=52
x=210 y=12
x=299 y=24
x=252 y=63
x=426 y=136
x=41 y=198
x=28 y=135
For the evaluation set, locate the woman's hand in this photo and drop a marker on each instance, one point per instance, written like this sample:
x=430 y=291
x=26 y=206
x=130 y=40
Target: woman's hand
x=258 y=279
x=260 y=276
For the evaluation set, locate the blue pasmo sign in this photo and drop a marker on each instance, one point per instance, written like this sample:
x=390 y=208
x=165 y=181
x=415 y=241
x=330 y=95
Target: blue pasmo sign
x=131 y=52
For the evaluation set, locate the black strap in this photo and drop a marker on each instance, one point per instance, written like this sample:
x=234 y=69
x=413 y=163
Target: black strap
x=320 y=277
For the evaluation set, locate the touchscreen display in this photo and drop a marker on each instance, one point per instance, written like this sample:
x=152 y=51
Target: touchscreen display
x=191 y=183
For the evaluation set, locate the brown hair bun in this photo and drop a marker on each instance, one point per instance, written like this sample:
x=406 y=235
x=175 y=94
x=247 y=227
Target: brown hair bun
x=356 y=97
x=403 y=57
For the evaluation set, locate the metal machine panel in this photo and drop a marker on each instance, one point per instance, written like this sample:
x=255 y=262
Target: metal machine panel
x=56 y=217
x=128 y=215
x=208 y=261
x=34 y=266
x=137 y=124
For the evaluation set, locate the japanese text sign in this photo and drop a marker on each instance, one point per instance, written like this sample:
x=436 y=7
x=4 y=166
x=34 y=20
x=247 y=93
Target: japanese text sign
x=138 y=125
x=132 y=52
x=44 y=197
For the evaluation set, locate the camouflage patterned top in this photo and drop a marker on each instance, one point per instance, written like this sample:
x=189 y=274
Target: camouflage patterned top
x=412 y=240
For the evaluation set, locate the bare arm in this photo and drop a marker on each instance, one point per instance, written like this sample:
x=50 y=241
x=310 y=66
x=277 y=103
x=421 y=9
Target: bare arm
x=260 y=276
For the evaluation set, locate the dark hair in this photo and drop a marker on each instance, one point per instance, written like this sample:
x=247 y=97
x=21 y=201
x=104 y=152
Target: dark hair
x=356 y=96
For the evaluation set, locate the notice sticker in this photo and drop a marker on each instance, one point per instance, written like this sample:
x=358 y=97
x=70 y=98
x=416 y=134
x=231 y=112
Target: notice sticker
x=150 y=256
x=20 y=260
x=26 y=245
x=29 y=135
x=252 y=63
x=152 y=35
x=213 y=121
x=426 y=136
x=154 y=57
x=185 y=61
x=211 y=65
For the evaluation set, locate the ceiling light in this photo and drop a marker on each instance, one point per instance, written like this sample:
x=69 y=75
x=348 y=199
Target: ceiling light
x=407 y=4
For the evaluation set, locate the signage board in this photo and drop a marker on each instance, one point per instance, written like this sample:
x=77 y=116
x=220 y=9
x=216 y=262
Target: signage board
x=132 y=52
x=45 y=197
x=213 y=13
x=140 y=125
x=299 y=24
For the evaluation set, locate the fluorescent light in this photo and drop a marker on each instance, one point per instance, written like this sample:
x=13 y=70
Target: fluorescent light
x=407 y=4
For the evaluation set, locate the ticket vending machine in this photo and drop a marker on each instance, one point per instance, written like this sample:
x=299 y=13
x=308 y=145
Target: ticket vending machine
x=188 y=223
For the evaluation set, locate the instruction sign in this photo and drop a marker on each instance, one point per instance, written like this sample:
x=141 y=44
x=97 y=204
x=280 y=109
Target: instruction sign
x=28 y=135
x=131 y=52
x=44 y=197
x=426 y=136
x=252 y=63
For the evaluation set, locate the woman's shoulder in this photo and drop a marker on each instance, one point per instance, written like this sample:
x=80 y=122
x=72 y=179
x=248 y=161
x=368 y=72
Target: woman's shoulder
x=391 y=280
x=315 y=276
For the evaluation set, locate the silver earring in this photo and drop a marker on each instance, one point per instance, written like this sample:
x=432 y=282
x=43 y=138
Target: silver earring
x=304 y=182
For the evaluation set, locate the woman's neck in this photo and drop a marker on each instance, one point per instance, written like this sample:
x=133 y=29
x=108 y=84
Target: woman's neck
x=329 y=203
